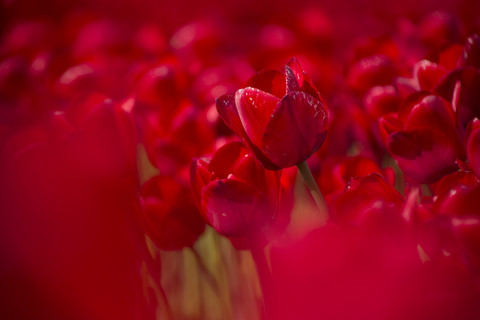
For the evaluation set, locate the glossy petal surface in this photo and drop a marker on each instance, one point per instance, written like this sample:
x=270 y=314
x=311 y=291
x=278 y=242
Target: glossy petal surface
x=296 y=130
x=254 y=109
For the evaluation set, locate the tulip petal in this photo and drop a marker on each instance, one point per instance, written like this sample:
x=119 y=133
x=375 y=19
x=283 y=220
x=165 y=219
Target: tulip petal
x=428 y=74
x=296 y=130
x=199 y=177
x=297 y=79
x=254 y=109
x=473 y=149
x=226 y=158
x=381 y=100
x=291 y=80
x=468 y=97
x=471 y=53
x=425 y=155
x=233 y=208
x=228 y=112
x=294 y=67
x=249 y=170
x=435 y=113
x=387 y=125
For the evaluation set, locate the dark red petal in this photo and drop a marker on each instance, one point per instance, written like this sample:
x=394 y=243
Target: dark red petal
x=368 y=199
x=473 y=149
x=461 y=201
x=371 y=71
x=296 y=129
x=453 y=180
x=162 y=187
x=447 y=84
x=251 y=172
x=225 y=159
x=411 y=101
x=266 y=162
x=471 y=53
x=467 y=97
x=310 y=88
x=336 y=172
x=233 y=208
x=295 y=75
x=432 y=112
x=381 y=100
x=468 y=232
x=291 y=80
x=169 y=213
x=296 y=69
x=428 y=74
x=228 y=112
x=270 y=81
x=389 y=124
x=405 y=86
x=255 y=108
x=424 y=155
x=200 y=176
x=171 y=227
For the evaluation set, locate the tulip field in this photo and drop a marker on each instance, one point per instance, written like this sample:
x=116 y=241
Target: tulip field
x=231 y=160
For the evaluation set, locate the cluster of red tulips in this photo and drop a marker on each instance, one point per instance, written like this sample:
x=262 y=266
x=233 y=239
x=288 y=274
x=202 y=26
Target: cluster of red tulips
x=218 y=162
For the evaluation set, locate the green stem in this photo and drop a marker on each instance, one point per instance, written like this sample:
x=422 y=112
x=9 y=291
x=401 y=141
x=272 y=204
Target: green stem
x=314 y=189
x=210 y=278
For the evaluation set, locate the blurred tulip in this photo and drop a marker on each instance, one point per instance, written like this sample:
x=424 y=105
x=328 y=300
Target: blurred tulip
x=424 y=142
x=339 y=272
x=169 y=214
x=71 y=246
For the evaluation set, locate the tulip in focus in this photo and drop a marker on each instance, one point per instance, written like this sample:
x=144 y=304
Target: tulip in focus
x=280 y=116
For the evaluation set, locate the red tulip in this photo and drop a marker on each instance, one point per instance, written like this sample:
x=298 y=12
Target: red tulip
x=428 y=74
x=451 y=181
x=369 y=200
x=236 y=195
x=381 y=100
x=280 y=116
x=169 y=216
x=336 y=172
x=423 y=138
x=171 y=152
x=371 y=71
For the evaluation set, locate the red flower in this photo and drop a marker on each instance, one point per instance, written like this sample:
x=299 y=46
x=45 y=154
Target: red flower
x=423 y=138
x=336 y=172
x=369 y=200
x=170 y=217
x=280 y=116
x=236 y=195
